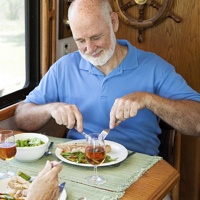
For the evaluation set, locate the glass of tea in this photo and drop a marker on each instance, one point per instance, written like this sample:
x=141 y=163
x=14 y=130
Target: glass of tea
x=95 y=154
x=7 y=151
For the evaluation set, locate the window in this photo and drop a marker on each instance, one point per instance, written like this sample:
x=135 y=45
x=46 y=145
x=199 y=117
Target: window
x=20 y=49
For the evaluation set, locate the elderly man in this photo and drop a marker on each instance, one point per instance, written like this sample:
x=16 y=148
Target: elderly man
x=108 y=80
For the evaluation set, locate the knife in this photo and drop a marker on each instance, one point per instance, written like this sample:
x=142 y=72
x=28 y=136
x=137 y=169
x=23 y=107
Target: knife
x=118 y=164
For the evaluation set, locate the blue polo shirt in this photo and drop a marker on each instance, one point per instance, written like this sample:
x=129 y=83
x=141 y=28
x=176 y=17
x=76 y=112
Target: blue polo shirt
x=74 y=80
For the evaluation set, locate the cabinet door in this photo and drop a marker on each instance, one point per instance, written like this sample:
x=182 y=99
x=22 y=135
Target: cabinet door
x=190 y=168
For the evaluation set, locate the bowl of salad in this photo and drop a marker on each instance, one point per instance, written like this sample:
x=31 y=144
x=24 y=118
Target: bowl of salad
x=30 y=146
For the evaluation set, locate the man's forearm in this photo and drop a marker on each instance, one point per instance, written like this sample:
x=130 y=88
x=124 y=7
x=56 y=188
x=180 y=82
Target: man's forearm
x=31 y=117
x=183 y=115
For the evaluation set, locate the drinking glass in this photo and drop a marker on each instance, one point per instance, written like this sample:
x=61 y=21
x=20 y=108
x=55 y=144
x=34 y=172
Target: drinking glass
x=95 y=154
x=7 y=151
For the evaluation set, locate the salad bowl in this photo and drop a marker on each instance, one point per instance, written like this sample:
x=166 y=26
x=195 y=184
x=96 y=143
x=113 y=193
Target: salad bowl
x=30 y=146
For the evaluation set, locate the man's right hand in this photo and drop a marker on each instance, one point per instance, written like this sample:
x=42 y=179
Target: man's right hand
x=68 y=115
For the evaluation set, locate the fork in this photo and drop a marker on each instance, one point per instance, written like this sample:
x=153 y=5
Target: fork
x=105 y=132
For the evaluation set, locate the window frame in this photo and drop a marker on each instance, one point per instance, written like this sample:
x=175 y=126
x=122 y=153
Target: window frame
x=32 y=53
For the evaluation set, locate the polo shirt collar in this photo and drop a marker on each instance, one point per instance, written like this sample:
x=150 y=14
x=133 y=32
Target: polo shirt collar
x=131 y=59
x=129 y=62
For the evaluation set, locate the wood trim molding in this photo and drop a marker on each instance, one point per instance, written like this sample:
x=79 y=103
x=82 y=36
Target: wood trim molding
x=177 y=163
x=8 y=112
x=63 y=26
x=48 y=34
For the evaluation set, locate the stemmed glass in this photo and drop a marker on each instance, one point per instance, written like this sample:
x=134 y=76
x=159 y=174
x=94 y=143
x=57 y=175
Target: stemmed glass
x=95 y=154
x=7 y=151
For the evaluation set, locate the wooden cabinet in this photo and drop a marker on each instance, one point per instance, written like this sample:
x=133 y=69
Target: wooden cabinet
x=190 y=168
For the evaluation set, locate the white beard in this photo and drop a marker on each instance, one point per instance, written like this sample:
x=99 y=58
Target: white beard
x=106 y=54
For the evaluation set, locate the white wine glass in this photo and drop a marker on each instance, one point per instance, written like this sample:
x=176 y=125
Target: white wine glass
x=7 y=151
x=95 y=154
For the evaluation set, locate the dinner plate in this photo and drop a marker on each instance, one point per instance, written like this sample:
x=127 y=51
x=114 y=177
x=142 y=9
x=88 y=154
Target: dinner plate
x=117 y=151
x=4 y=188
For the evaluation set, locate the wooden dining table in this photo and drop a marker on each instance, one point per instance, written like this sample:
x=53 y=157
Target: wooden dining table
x=154 y=184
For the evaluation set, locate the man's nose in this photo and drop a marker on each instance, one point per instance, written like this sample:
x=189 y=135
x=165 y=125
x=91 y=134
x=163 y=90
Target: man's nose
x=90 y=47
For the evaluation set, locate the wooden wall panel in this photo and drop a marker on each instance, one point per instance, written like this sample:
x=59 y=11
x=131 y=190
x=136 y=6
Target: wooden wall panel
x=179 y=44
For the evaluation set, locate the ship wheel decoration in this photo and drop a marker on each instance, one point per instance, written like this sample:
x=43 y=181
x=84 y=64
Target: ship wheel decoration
x=163 y=12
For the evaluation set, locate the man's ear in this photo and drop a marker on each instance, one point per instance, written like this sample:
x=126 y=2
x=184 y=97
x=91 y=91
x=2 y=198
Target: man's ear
x=115 y=21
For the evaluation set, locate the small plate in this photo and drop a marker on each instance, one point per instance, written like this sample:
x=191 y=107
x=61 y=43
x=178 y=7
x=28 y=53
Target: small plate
x=4 y=188
x=117 y=151
x=63 y=195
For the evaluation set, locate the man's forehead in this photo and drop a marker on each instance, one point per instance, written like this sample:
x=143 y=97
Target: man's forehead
x=88 y=24
x=83 y=7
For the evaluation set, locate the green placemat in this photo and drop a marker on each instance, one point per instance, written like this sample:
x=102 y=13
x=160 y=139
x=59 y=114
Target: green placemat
x=77 y=190
x=118 y=178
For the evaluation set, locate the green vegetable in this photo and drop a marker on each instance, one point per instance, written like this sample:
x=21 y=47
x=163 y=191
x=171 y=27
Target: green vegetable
x=109 y=159
x=24 y=176
x=6 y=196
x=29 y=142
x=79 y=157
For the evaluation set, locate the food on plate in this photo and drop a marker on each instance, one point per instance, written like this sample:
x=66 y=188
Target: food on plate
x=76 y=147
x=75 y=152
x=29 y=142
x=20 y=188
x=18 y=183
x=4 y=196
x=78 y=157
x=108 y=148
x=24 y=176
x=73 y=147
